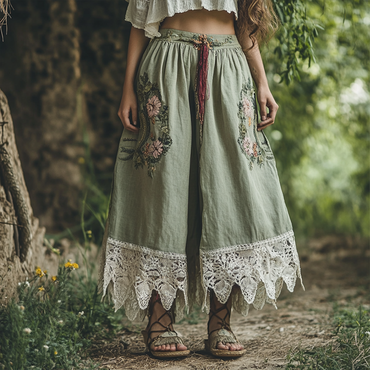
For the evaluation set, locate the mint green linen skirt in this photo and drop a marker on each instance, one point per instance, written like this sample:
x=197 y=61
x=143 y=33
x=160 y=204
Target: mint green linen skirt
x=196 y=204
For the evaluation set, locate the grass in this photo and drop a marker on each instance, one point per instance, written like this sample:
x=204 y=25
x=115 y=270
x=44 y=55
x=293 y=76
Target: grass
x=54 y=321
x=349 y=348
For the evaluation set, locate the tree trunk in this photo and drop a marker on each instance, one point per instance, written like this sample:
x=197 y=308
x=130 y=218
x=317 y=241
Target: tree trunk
x=62 y=68
x=21 y=238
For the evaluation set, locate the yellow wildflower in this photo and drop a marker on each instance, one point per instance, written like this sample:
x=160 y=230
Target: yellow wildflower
x=71 y=265
x=55 y=353
x=81 y=160
x=54 y=278
x=45 y=272
x=39 y=272
x=41 y=289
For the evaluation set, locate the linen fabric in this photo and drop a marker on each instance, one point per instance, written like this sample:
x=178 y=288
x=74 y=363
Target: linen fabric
x=148 y=14
x=196 y=204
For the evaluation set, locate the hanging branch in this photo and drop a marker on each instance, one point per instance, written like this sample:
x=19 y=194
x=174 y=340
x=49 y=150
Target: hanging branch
x=5 y=9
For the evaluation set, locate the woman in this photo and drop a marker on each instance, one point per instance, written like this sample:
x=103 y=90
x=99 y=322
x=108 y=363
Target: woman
x=196 y=211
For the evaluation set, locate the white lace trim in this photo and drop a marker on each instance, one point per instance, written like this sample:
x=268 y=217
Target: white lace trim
x=259 y=270
x=148 y=15
x=132 y=272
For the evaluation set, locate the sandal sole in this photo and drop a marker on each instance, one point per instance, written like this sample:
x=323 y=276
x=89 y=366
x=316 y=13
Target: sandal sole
x=171 y=354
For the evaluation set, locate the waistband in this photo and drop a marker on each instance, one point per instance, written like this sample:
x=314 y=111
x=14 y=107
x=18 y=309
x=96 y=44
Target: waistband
x=212 y=40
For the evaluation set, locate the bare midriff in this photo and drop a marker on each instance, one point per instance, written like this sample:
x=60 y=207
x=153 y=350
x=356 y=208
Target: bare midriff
x=202 y=21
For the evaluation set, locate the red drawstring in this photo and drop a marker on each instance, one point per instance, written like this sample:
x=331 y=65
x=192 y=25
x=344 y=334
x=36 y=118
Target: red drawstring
x=202 y=79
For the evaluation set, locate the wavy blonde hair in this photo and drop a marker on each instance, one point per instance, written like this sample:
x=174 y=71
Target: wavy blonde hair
x=258 y=18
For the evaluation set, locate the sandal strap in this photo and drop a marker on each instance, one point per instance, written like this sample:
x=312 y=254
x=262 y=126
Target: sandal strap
x=224 y=324
x=168 y=337
x=167 y=328
x=223 y=336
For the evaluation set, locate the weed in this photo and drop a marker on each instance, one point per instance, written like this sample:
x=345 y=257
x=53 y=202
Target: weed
x=53 y=322
x=349 y=349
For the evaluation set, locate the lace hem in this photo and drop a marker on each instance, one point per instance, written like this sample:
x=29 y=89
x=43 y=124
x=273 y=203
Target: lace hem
x=132 y=272
x=258 y=269
x=129 y=273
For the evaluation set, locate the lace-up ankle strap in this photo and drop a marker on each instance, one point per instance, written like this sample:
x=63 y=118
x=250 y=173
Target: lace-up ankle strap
x=222 y=321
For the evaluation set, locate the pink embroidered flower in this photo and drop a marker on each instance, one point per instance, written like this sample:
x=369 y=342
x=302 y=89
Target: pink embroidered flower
x=153 y=105
x=248 y=145
x=156 y=149
x=247 y=107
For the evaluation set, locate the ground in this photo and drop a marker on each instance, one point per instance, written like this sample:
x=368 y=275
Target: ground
x=334 y=270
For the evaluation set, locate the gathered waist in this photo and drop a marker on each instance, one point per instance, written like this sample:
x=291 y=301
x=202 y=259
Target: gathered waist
x=212 y=41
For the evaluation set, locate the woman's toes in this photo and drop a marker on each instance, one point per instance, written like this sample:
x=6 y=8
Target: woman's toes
x=222 y=346
x=181 y=347
x=173 y=347
x=232 y=347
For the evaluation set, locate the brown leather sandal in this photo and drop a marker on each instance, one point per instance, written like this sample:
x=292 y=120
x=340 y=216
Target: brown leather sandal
x=169 y=336
x=223 y=335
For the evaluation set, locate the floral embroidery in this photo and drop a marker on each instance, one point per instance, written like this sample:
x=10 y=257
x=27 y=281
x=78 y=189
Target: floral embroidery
x=251 y=147
x=247 y=107
x=150 y=148
x=153 y=105
x=156 y=149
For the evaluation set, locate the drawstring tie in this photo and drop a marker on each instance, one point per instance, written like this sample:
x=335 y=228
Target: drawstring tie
x=203 y=44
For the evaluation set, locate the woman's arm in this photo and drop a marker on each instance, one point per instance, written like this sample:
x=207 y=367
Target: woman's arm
x=137 y=44
x=264 y=96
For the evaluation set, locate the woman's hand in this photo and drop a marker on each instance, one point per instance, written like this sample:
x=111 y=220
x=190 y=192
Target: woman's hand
x=266 y=100
x=128 y=106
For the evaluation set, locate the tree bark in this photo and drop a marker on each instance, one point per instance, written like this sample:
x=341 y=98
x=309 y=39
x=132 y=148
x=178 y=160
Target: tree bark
x=21 y=238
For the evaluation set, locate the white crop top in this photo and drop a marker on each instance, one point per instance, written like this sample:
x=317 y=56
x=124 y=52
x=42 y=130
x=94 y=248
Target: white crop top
x=148 y=14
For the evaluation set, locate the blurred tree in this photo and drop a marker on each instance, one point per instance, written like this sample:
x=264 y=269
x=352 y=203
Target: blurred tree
x=321 y=139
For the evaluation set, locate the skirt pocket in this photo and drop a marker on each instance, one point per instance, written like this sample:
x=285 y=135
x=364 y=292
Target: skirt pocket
x=128 y=144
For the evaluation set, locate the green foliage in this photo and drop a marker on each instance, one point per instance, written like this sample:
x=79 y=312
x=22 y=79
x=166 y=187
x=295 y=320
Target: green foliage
x=53 y=322
x=350 y=348
x=321 y=138
x=295 y=37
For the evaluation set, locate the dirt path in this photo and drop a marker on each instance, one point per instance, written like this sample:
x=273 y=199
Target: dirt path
x=331 y=273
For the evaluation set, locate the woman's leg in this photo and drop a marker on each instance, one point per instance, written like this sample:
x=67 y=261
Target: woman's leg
x=216 y=321
x=146 y=233
x=247 y=238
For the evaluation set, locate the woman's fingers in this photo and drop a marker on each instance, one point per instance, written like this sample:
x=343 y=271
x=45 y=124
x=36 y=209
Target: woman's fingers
x=273 y=107
x=134 y=115
x=269 y=119
x=263 y=124
x=124 y=115
x=263 y=109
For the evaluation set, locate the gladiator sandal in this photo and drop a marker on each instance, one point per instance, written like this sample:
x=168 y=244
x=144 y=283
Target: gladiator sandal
x=169 y=336
x=223 y=335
